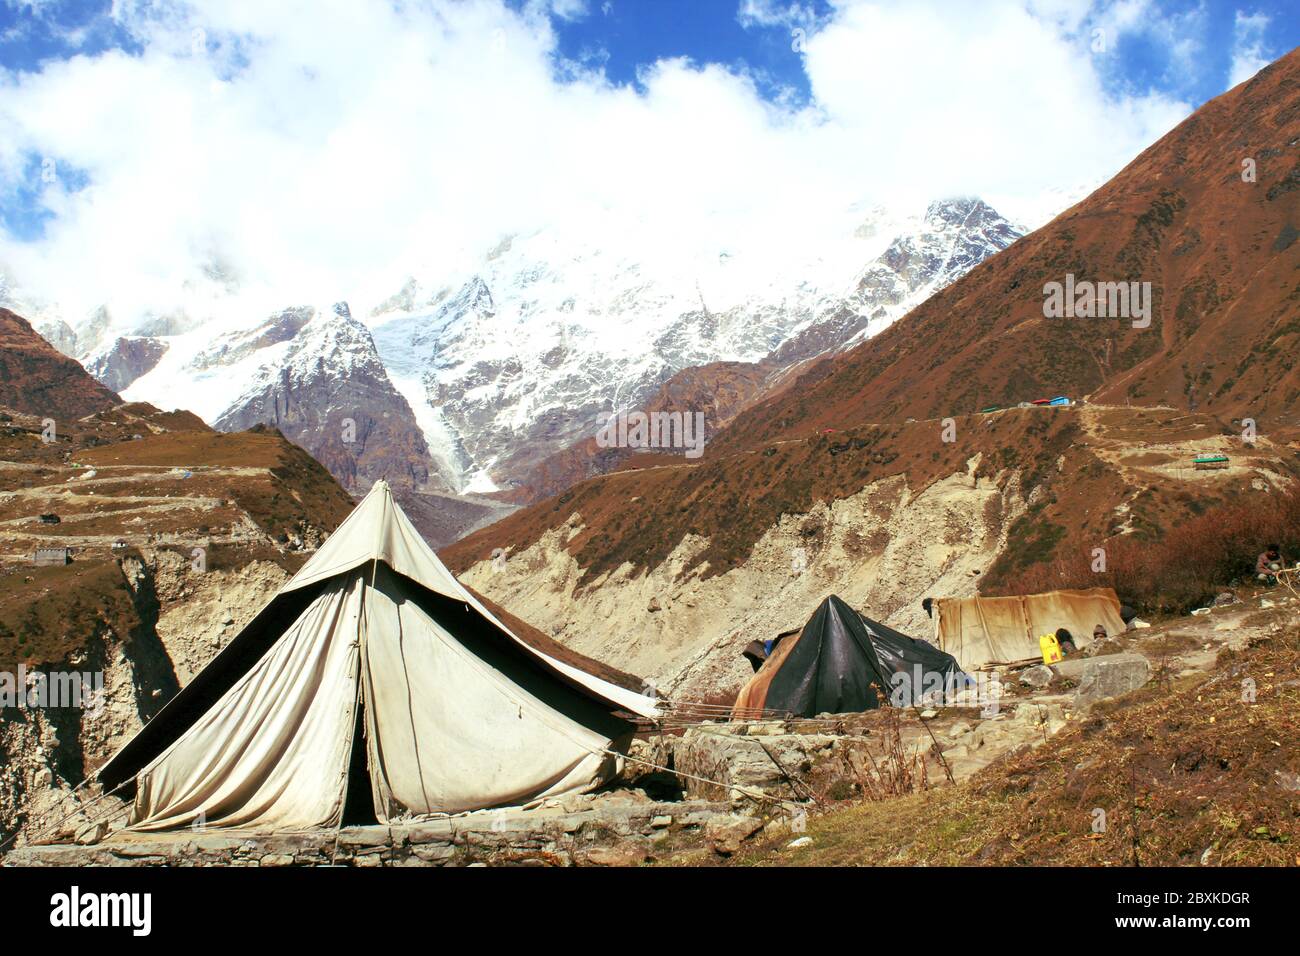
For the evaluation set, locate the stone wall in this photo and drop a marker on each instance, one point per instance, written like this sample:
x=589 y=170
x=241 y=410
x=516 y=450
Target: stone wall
x=612 y=832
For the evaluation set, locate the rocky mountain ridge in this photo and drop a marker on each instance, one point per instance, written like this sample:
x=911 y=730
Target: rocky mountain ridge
x=468 y=385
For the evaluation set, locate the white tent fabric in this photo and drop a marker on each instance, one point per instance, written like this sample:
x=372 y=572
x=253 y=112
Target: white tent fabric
x=273 y=753
x=379 y=529
x=981 y=631
x=456 y=718
x=493 y=742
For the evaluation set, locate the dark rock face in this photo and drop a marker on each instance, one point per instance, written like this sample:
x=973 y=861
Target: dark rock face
x=127 y=360
x=38 y=379
x=442 y=519
x=331 y=395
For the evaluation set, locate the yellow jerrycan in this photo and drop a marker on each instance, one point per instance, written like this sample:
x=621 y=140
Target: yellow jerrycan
x=1050 y=647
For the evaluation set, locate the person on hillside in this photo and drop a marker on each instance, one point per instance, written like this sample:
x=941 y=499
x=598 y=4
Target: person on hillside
x=1267 y=565
x=1066 y=640
x=1098 y=634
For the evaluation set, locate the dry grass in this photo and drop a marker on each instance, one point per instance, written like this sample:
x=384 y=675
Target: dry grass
x=899 y=770
x=49 y=613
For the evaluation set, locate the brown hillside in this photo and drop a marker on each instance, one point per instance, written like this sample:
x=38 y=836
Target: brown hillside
x=721 y=390
x=38 y=379
x=146 y=476
x=1221 y=256
x=156 y=481
x=1075 y=462
x=555 y=649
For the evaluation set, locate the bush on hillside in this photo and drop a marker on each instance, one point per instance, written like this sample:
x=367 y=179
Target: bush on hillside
x=1185 y=568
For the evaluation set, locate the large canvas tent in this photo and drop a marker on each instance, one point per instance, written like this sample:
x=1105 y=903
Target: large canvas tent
x=373 y=679
x=980 y=631
x=843 y=662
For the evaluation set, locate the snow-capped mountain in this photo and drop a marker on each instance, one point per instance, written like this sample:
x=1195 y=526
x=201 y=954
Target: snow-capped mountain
x=532 y=352
x=462 y=381
x=329 y=392
x=951 y=239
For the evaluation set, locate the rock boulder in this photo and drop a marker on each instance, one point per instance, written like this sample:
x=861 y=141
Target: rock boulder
x=1100 y=678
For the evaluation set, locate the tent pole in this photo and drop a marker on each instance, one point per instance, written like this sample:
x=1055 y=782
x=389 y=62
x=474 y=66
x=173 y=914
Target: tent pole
x=984 y=626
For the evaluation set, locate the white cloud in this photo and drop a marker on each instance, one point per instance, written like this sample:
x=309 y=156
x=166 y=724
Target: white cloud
x=775 y=13
x=331 y=149
x=1180 y=31
x=1248 y=52
x=564 y=9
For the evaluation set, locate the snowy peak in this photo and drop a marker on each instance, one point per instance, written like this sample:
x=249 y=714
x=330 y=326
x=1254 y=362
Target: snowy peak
x=411 y=344
x=926 y=255
x=235 y=347
x=325 y=387
x=955 y=235
x=466 y=379
x=548 y=334
x=967 y=213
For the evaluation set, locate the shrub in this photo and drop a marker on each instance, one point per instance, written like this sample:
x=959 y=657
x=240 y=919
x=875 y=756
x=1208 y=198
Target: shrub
x=1186 y=567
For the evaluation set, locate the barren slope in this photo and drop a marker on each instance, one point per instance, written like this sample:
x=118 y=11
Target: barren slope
x=37 y=379
x=670 y=570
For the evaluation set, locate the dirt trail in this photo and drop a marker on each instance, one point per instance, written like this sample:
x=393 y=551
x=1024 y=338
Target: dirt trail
x=98 y=507
x=1137 y=461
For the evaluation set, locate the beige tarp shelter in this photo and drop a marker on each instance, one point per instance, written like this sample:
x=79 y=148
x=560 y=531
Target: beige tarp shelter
x=984 y=630
x=373 y=681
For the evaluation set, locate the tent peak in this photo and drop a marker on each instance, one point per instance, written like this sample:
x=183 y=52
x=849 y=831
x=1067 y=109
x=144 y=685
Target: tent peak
x=834 y=601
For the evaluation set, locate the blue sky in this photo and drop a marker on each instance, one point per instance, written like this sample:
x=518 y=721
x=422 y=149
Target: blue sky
x=625 y=36
x=32 y=33
x=714 y=117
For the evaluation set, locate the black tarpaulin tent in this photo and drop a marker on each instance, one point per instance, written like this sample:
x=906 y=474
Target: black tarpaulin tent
x=842 y=662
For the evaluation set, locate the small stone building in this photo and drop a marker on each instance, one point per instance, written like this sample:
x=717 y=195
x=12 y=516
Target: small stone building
x=52 y=556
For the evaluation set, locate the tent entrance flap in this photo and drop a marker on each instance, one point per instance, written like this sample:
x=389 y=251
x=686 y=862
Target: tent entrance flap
x=359 y=797
x=273 y=751
x=507 y=734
